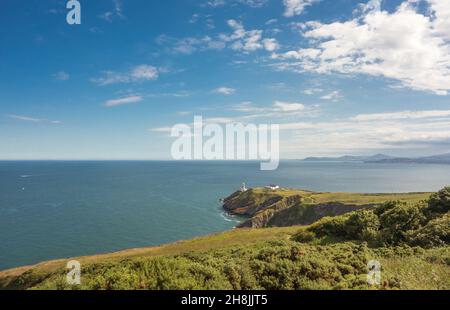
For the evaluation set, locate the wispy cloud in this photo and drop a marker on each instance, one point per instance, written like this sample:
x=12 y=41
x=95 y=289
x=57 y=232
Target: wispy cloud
x=312 y=91
x=137 y=74
x=116 y=12
x=362 y=133
x=240 y=40
x=175 y=94
x=222 y=3
x=404 y=129
x=33 y=119
x=122 y=101
x=296 y=7
x=402 y=115
x=61 y=76
x=334 y=96
x=279 y=110
x=190 y=45
x=224 y=90
x=289 y=106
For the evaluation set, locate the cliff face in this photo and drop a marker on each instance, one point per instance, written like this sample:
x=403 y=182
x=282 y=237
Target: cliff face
x=308 y=214
x=250 y=202
x=259 y=206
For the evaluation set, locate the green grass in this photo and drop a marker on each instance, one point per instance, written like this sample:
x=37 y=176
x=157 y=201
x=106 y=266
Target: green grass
x=348 y=198
x=215 y=241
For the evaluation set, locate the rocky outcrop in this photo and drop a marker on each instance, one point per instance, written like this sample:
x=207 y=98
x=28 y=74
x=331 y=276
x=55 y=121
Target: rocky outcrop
x=249 y=203
x=259 y=207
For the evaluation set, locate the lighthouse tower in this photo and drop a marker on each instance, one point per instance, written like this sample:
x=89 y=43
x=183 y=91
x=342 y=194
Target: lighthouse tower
x=243 y=188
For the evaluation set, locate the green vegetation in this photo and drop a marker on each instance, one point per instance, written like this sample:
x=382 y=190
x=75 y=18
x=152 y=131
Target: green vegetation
x=282 y=264
x=390 y=224
x=410 y=238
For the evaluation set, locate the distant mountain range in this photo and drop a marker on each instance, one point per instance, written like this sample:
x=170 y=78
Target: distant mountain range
x=351 y=158
x=385 y=159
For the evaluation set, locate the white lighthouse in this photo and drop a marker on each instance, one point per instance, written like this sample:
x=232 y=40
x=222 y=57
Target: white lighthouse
x=243 y=188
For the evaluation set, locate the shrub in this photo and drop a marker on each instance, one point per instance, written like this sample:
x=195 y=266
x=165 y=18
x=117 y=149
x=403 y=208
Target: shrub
x=440 y=201
x=398 y=222
x=385 y=207
x=362 y=225
x=330 y=226
x=304 y=236
x=434 y=234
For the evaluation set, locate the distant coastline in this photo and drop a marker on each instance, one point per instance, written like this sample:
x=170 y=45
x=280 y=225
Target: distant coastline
x=385 y=159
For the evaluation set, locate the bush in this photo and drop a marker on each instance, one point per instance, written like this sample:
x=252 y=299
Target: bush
x=362 y=225
x=304 y=236
x=440 y=201
x=398 y=222
x=330 y=226
x=434 y=234
x=385 y=207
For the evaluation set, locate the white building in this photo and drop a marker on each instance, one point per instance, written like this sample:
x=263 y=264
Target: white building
x=273 y=187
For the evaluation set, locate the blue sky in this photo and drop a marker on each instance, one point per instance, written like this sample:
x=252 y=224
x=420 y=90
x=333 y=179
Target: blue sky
x=339 y=76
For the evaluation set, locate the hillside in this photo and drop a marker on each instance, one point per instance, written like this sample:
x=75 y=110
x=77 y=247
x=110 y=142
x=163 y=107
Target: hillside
x=348 y=158
x=410 y=239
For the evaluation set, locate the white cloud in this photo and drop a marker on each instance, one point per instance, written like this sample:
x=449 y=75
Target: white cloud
x=250 y=3
x=312 y=91
x=279 y=109
x=161 y=129
x=116 y=12
x=402 y=115
x=144 y=72
x=224 y=91
x=61 y=76
x=296 y=7
x=176 y=94
x=334 y=95
x=289 y=106
x=137 y=74
x=33 y=119
x=215 y=3
x=239 y=40
x=122 y=101
x=405 y=45
x=248 y=40
x=190 y=45
x=271 y=45
x=218 y=120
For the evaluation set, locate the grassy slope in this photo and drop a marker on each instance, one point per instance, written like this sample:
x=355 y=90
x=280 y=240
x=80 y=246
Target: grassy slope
x=210 y=262
x=200 y=244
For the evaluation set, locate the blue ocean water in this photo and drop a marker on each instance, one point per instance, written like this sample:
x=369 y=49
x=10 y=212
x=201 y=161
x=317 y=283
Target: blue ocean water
x=63 y=209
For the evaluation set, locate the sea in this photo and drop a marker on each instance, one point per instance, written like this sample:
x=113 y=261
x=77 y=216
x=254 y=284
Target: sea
x=61 y=209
